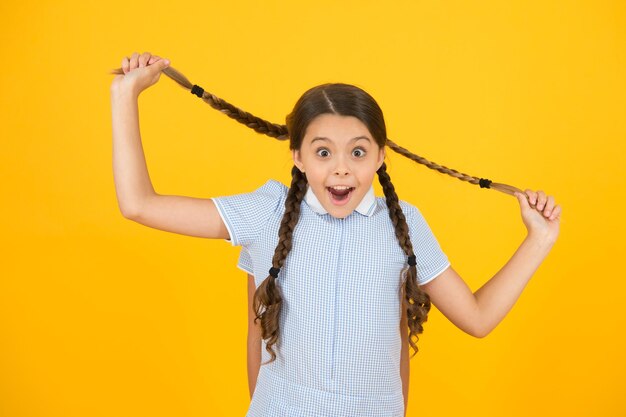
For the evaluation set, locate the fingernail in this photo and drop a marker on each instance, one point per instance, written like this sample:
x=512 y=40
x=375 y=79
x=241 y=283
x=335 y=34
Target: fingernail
x=167 y=62
x=547 y=212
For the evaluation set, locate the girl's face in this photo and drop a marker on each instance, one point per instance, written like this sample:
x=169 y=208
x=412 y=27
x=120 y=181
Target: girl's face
x=339 y=150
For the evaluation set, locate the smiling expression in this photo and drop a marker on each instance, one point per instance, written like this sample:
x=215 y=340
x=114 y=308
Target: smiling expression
x=338 y=150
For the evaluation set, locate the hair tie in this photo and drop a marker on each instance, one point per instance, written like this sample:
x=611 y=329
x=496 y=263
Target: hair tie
x=412 y=260
x=197 y=90
x=274 y=272
x=484 y=183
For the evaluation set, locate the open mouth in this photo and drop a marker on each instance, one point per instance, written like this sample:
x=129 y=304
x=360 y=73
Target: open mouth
x=340 y=196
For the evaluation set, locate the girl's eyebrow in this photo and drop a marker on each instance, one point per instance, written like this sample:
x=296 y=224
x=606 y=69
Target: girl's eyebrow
x=351 y=140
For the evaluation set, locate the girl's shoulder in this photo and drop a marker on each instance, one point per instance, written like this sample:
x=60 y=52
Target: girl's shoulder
x=265 y=197
x=407 y=208
x=276 y=185
x=412 y=214
x=405 y=205
x=272 y=187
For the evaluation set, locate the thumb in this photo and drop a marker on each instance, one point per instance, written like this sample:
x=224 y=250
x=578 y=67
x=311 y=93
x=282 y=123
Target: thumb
x=522 y=199
x=161 y=64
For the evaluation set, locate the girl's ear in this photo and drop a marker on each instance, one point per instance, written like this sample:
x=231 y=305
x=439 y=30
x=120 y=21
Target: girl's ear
x=381 y=158
x=297 y=161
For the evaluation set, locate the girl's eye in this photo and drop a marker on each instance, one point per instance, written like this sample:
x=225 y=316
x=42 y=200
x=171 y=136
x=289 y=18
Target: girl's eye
x=321 y=150
x=358 y=152
x=361 y=151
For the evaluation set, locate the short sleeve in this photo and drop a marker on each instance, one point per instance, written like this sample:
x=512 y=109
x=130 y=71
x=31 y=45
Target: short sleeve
x=245 y=261
x=246 y=214
x=430 y=258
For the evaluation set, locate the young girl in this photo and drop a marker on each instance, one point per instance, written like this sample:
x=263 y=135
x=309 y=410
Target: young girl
x=338 y=273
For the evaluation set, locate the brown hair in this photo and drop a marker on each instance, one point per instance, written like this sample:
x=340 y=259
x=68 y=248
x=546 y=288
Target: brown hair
x=345 y=100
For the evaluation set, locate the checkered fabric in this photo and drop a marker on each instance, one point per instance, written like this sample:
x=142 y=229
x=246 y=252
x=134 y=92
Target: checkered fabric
x=339 y=345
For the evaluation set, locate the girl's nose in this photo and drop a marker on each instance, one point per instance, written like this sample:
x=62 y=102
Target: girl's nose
x=341 y=169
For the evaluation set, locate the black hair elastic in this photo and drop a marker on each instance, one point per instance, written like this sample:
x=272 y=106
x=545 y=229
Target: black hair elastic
x=197 y=90
x=412 y=260
x=274 y=272
x=484 y=183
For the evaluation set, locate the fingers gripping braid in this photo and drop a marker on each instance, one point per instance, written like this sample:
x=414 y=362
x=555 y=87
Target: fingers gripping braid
x=268 y=294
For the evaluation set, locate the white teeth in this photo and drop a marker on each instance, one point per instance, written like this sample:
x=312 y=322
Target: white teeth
x=341 y=187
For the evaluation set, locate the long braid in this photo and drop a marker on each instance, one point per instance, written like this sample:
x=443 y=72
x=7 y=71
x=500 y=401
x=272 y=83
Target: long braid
x=415 y=301
x=268 y=294
x=280 y=132
x=482 y=182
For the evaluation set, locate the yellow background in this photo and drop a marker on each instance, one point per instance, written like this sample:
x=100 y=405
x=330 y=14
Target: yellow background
x=100 y=316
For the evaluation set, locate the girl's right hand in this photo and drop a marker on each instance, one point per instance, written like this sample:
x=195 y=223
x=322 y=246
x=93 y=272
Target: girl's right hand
x=140 y=72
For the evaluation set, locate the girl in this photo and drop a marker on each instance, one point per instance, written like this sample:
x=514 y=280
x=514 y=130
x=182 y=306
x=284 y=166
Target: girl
x=339 y=274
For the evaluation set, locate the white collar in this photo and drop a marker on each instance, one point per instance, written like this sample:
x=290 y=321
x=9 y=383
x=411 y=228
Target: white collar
x=365 y=207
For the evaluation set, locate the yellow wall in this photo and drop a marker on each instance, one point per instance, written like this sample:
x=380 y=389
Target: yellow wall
x=100 y=316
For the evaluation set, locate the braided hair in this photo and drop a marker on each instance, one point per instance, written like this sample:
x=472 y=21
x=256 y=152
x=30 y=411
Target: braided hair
x=344 y=100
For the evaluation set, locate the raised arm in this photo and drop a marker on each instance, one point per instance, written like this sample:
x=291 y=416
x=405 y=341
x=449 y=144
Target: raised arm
x=479 y=313
x=136 y=197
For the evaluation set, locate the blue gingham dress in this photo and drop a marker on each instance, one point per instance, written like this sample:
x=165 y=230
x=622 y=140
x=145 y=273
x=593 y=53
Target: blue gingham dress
x=339 y=345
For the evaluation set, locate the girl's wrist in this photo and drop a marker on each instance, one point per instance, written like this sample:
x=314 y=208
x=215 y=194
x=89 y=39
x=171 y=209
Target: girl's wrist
x=122 y=91
x=542 y=240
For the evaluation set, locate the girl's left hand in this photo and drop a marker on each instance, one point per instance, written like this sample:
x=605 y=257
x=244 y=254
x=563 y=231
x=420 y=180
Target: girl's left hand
x=540 y=214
